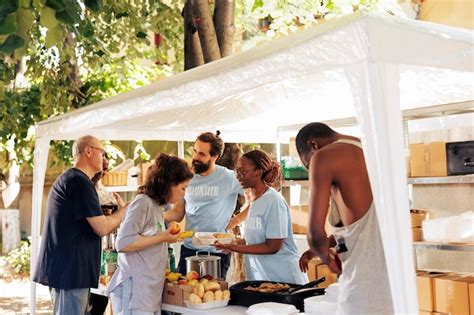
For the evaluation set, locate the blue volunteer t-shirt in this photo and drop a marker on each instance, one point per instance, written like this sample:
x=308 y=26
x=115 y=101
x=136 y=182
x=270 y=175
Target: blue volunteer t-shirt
x=70 y=250
x=269 y=218
x=210 y=202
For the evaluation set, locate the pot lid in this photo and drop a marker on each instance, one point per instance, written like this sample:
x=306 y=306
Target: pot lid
x=200 y=258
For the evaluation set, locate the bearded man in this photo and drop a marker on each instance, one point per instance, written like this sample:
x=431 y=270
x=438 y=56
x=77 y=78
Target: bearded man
x=210 y=197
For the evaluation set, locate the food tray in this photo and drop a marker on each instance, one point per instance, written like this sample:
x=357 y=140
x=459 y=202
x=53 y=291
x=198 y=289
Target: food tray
x=208 y=238
x=207 y=305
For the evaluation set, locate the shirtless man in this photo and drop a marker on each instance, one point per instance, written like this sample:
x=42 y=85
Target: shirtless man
x=354 y=251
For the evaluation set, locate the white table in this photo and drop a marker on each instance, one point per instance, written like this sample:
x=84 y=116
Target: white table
x=228 y=310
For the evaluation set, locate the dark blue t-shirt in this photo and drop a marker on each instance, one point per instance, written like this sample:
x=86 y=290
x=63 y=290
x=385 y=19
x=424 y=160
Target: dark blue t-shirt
x=70 y=250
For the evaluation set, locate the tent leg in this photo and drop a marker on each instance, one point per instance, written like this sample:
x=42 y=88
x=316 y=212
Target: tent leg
x=39 y=172
x=381 y=126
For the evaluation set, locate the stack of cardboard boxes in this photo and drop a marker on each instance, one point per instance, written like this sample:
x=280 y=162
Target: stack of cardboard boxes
x=417 y=217
x=445 y=293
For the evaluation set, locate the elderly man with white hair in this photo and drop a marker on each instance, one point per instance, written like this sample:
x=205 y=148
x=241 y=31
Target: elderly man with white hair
x=69 y=259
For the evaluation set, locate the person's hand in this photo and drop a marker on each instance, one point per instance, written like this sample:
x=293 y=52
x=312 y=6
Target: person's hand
x=119 y=200
x=226 y=248
x=167 y=237
x=333 y=262
x=304 y=260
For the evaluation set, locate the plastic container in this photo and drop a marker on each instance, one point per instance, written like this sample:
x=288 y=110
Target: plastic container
x=272 y=308
x=207 y=305
x=209 y=238
x=455 y=229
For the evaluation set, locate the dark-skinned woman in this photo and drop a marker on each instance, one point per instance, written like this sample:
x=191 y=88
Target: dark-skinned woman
x=269 y=248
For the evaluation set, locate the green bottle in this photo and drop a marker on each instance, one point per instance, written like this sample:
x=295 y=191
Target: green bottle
x=171 y=259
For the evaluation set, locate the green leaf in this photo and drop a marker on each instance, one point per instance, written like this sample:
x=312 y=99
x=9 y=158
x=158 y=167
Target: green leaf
x=7 y=7
x=25 y=19
x=57 y=5
x=39 y=4
x=100 y=53
x=64 y=17
x=13 y=42
x=25 y=4
x=93 y=5
x=8 y=25
x=141 y=35
x=48 y=18
x=54 y=36
x=257 y=4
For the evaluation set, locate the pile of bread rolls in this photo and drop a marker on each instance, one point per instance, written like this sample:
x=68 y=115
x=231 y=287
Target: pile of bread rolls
x=208 y=291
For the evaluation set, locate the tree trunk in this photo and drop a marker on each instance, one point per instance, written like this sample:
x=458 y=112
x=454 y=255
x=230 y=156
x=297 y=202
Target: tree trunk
x=206 y=31
x=192 y=46
x=224 y=23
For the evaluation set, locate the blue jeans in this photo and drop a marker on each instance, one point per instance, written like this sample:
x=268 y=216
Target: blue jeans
x=70 y=302
x=120 y=298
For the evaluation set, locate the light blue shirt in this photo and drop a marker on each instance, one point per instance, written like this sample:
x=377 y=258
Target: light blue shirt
x=269 y=218
x=210 y=202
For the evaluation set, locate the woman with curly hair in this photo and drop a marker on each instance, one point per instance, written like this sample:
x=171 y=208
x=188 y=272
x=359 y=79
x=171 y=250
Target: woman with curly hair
x=268 y=246
x=142 y=241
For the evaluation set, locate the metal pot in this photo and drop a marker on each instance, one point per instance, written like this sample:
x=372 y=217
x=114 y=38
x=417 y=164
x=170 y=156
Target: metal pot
x=204 y=265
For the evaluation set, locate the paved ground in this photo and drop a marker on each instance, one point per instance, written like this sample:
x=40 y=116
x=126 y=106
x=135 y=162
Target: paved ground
x=15 y=295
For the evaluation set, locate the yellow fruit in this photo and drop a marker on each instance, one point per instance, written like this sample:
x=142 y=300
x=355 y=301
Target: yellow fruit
x=173 y=276
x=208 y=296
x=193 y=282
x=225 y=294
x=199 y=290
x=218 y=295
x=204 y=281
x=194 y=298
x=167 y=271
x=186 y=234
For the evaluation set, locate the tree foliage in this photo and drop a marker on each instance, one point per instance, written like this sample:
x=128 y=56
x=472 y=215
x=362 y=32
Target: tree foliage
x=77 y=52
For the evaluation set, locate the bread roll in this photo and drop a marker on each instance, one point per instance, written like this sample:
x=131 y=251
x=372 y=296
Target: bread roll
x=199 y=290
x=194 y=299
x=208 y=296
x=218 y=295
x=226 y=295
x=212 y=286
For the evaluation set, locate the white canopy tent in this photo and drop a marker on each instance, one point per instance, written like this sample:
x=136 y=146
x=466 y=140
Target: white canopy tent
x=364 y=65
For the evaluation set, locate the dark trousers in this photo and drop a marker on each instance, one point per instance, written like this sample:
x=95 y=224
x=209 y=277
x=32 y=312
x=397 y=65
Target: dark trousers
x=187 y=252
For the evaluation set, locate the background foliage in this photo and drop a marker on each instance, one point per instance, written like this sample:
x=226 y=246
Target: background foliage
x=59 y=55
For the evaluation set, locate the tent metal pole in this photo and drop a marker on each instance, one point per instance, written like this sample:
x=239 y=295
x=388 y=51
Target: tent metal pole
x=181 y=149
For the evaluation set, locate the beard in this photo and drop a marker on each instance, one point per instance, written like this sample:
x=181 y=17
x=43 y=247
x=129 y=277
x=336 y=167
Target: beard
x=200 y=167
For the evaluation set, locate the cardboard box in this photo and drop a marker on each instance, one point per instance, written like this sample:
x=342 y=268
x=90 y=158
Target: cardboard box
x=417 y=217
x=471 y=298
x=417 y=234
x=426 y=290
x=417 y=160
x=299 y=229
x=452 y=294
x=299 y=219
x=176 y=294
x=324 y=271
x=428 y=159
x=437 y=159
x=312 y=272
x=143 y=171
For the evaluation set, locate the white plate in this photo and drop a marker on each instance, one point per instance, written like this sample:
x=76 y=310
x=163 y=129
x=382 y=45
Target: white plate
x=207 y=238
x=207 y=305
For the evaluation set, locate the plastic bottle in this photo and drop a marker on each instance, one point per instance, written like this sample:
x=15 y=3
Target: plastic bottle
x=171 y=259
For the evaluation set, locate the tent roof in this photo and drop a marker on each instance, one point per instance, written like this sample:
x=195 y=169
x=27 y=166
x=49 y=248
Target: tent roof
x=290 y=81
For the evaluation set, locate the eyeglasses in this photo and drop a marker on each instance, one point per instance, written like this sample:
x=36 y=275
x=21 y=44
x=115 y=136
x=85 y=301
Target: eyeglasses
x=243 y=172
x=104 y=153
